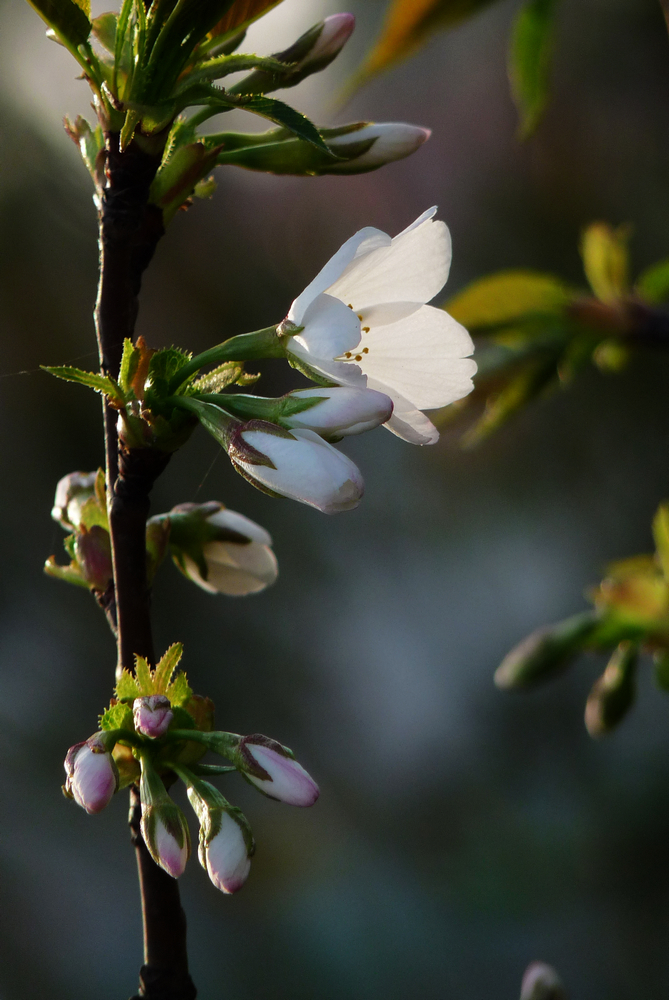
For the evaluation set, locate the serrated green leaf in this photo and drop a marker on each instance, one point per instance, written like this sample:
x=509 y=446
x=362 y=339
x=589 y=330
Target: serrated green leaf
x=66 y=18
x=220 y=378
x=166 y=363
x=129 y=364
x=178 y=691
x=215 y=69
x=529 y=61
x=506 y=297
x=653 y=283
x=240 y=15
x=605 y=260
x=126 y=687
x=167 y=664
x=117 y=716
x=100 y=383
x=143 y=676
x=281 y=114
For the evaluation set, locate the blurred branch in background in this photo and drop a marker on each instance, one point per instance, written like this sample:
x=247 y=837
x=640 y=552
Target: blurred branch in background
x=535 y=332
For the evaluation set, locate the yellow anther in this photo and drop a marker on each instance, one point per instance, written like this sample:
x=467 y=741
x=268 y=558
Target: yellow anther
x=365 y=329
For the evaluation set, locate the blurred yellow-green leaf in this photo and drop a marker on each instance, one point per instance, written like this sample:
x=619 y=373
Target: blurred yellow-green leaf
x=605 y=260
x=529 y=61
x=68 y=19
x=653 y=283
x=506 y=297
x=661 y=536
x=613 y=693
x=407 y=26
x=533 y=379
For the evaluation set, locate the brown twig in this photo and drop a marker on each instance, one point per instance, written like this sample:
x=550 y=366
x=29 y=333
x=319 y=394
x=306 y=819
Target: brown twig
x=129 y=230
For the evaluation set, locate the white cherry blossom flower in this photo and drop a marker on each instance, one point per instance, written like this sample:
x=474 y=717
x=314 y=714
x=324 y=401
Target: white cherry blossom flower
x=366 y=324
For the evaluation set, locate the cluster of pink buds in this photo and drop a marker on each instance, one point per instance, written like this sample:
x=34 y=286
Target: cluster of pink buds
x=158 y=750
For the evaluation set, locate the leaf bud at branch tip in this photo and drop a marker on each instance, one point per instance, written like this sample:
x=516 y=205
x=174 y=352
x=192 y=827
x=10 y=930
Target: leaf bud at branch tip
x=613 y=693
x=545 y=652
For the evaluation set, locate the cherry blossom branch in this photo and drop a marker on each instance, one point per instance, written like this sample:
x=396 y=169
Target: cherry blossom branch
x=129 y=230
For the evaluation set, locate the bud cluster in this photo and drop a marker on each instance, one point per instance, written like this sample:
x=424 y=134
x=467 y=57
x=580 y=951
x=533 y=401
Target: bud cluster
x=630 y=617
x=156 y=730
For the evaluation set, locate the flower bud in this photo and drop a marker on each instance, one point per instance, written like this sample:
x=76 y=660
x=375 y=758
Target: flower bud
x=384 y=142
x=152 y=715
x=72 y=492
x=541 y=982
x=545 y=652
x=359 y=147
x=613 y=693
x=220 y=550
x=92 y=775
x=299 y=465
x=272 y=769
x=343 y=411
x=166 y=836
x=226 y=856
x=311 y=53
x=92 y=547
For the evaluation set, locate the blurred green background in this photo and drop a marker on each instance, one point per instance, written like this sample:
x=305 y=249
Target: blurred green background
x=460 y=832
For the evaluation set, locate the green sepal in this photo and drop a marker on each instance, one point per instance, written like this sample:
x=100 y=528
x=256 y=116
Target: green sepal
x=104 y=384
x=69 y=574
x=276 y=411
x=66 y=18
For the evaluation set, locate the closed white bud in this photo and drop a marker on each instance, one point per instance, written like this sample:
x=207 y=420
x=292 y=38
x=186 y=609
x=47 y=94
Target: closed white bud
x=166 y=836
x=343 y=411
x=335 y=32
x=92 y=776
x=275 y=773
x=238 y=558
x=226 y=856
x=389 y=141
x=296 y=464
x=152 y=715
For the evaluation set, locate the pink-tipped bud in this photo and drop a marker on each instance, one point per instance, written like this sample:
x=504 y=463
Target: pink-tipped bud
x=336 y=31
x=92 y=776
x=152 y=715
x=226 y=856
x=379 y=143
x=165 y=834
x=272 y=770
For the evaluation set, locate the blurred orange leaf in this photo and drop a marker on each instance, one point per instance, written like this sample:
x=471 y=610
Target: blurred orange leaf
x=407 y=25
x=241 y=14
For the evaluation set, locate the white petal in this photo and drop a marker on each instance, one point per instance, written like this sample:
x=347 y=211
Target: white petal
x=429 y=213
x=359 y=244
x=242 y=525
x=421 y=357
x=240 y=569
x=330 y=329
x=414 y=268
x=410 y=424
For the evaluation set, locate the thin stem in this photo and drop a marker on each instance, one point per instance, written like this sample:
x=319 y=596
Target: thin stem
x=246 y=347
x=129 y=230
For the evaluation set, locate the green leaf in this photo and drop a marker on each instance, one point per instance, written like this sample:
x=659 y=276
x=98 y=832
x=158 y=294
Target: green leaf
x=653 y=283
x=661 y=536
x=281 y=114
x=179 y=692
x=529 y=61
x=214 y=69
x=143 y=675
x=104 y=29
x=166 y=363
x=220 y=378
x=241 y=14
x=69 y=574
x=100 y=383
x=67 y=18
x=506 y=297
x=605 y=260
x=167 y=664
x=93 y=514
x=117 y=716
x=129 y=364
x=127 y=688
x=408 y=25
